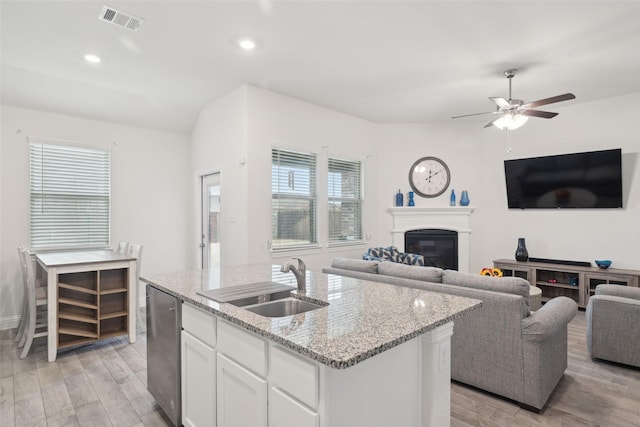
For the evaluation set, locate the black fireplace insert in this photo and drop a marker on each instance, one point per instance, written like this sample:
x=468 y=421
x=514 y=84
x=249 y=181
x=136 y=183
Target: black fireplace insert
x=438 y=247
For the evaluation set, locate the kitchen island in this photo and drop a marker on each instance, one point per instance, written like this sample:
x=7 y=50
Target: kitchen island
x=377 y=354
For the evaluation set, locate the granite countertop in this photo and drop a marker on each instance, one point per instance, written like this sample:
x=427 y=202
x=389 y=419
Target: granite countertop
x=362 y=319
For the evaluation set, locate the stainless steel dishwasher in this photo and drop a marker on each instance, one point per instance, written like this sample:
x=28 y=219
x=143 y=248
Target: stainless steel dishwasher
x=164 y=320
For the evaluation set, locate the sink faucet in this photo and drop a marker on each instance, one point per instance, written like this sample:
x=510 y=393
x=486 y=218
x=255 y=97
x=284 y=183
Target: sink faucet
x=300 y=272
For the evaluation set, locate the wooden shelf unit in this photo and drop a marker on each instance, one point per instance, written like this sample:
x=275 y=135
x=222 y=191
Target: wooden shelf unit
x=575 y=282
x=92 y=306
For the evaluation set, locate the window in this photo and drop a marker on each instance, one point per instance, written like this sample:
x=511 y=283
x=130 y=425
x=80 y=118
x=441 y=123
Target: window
x=293 y=199
x=70 y=196
x=345 y=200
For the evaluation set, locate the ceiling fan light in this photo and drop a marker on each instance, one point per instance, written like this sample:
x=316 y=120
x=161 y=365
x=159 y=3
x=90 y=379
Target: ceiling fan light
x=511 y=121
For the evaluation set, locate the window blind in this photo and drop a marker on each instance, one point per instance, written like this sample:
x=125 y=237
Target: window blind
x=345 y=200
x=70 y=196
x=293 y=199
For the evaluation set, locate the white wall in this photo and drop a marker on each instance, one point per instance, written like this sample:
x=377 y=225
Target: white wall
x=235 y=135
x=150 y=204
x=475 y=157
x=219 y=144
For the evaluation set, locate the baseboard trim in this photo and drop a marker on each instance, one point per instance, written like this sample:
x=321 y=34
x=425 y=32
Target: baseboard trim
x=9 y=322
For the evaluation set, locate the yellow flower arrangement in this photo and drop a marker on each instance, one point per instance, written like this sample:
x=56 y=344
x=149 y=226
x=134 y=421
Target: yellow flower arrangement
x=494 y=272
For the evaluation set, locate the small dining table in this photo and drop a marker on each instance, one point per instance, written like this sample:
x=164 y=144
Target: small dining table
x=92 y=275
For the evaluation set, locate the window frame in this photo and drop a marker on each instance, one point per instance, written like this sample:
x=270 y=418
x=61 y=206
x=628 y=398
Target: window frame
x=357 y=200
x=80 y=200
x=312 y=197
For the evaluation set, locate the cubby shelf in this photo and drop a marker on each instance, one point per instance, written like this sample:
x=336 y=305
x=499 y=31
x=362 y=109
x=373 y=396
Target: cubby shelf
x=70 y=301
x=554 y=279
x=76 y=317
x=92 y=305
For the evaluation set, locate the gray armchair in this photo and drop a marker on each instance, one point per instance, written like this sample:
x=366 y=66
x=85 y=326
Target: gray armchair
x=613 y=316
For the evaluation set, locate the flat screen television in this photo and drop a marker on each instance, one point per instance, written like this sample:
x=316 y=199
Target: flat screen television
x=579 y=180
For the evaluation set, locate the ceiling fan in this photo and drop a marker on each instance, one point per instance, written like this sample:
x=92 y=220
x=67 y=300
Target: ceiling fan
x=514 y=113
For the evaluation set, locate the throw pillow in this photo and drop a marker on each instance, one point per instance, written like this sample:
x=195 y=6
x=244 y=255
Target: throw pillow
x=411 y=259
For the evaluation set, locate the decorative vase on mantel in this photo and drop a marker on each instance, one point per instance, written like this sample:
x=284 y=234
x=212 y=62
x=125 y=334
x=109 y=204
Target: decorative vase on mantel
x=464 y=198
x=521 y=250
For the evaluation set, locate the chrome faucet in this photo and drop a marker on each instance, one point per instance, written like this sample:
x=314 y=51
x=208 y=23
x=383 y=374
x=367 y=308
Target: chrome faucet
x=300 y=272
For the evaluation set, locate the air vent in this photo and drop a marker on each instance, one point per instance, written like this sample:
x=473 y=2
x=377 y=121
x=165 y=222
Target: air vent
x=121 y=19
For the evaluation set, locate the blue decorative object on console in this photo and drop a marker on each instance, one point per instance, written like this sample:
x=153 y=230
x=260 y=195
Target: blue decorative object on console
x=410 y=202
x=603 y=263
x=452 y=198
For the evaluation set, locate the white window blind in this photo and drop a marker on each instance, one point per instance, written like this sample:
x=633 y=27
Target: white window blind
x=70 y=196
x=345 y=200
x=293 y=199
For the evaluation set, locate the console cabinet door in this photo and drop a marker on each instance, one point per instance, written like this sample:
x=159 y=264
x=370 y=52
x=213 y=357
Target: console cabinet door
x=242 y=396
x=198 y=383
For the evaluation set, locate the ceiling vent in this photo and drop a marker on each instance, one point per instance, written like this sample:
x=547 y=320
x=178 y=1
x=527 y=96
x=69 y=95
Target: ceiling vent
x=121 y=19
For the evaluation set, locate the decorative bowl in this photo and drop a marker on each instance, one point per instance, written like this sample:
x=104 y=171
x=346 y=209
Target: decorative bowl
x=603 y=263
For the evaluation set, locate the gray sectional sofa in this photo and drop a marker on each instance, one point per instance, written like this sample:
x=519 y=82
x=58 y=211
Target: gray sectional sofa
x=503 y=347
x=612 y=324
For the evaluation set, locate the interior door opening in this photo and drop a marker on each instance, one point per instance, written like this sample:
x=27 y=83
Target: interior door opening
x=210 y=224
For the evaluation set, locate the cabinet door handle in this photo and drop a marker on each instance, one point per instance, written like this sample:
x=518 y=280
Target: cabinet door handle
x=172 y=308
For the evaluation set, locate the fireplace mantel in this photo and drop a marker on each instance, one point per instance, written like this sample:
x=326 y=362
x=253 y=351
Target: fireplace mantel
x=444 y=218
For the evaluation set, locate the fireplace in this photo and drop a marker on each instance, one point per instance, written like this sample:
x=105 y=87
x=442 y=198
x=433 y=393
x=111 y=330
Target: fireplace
x=455 y=219
x=438 y=247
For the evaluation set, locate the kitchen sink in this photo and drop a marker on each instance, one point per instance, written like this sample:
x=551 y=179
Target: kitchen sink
x=260 y=299
x=283 y=307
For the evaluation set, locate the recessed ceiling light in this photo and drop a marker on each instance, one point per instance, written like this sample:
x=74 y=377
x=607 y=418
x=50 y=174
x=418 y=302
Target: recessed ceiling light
x=94 y=59
x=247 y=44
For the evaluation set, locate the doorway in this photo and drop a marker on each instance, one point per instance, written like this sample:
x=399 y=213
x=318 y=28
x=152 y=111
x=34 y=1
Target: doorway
x=210 y=223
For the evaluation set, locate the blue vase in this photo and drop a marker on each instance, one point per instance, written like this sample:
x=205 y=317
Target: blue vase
x=399 y=201
x=464 y=198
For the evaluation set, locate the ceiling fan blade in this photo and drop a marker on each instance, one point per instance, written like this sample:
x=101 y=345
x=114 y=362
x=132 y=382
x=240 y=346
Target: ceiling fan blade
x=538 y=113
x=500 y=102
x=491 y=122
x=553 y=99
x=474 y=114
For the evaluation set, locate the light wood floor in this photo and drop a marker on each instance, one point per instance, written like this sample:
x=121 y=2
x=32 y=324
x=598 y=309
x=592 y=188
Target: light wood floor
x=104 y=384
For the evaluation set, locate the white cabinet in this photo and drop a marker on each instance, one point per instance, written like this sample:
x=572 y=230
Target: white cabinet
x=285 y=411
x=294 y=389
x=241 y=375
x=242 y=396
x=242 y=380
x=198 y=368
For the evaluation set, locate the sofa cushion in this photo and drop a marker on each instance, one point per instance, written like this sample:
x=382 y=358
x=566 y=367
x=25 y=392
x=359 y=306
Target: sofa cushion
x=510 y=285
x=355 y=265
x=427 y=274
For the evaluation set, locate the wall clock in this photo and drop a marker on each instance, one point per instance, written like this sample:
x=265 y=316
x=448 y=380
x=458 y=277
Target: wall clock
x=429 y=177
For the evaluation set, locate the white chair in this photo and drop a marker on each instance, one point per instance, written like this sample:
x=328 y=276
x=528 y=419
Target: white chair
x=25 y=306
x=122 y=248
x=35 y=297
x=41 y=293
x=136 y=251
